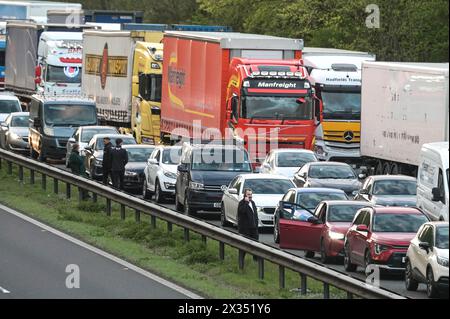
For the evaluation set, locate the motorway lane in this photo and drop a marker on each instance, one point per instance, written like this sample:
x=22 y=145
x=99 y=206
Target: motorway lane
x=33 y=261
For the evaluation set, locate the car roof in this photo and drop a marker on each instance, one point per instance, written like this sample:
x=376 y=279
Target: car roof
x=318 y=190
x=142 y=146
x=396 y=210
x=347 y=203
x=292 y=150
x=164 y=147
x=393 y=177
x=8 y=97
x=264 y=176
x=98 y=127
x=327 y=164
x=20 y=114
x=97 y=136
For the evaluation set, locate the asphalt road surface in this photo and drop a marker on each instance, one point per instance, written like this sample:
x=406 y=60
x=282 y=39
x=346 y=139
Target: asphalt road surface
x=34 y=260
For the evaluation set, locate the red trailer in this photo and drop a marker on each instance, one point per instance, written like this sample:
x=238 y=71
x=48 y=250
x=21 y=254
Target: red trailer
x=254 y=85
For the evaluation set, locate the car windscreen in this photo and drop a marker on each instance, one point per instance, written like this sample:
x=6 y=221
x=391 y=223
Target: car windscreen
x=126 y=141
x=139 y=155
x=171 y=156
x=311 y=200
x=60 y=74
x=20 y=121
x=7 y=106
x=218 y=159
x=395 y=187
x=70 y=115
x=88 y=134
x=294 y=159
x=268 y=186
x=331 y=172
x=442 y=237
x=398 y=223
x=343 y=213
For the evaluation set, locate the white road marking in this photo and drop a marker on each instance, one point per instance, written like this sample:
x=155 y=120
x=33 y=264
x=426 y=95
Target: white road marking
x=104 y=254
x=3 y=290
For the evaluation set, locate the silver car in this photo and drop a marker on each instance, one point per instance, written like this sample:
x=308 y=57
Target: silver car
x=14 y=132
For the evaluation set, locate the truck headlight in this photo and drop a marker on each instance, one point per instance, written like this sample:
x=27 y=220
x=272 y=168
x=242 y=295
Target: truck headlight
x=442 y=261
x=380 y=248
x=336 y=236
x=196 y=186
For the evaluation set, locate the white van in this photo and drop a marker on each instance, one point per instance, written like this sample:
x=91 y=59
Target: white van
x=433 y=180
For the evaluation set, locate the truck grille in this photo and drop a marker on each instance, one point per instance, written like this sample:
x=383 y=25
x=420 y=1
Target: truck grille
x=340 y=136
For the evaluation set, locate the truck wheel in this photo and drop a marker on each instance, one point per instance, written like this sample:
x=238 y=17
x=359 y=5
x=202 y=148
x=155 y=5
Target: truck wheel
x=379 y=168
x=386 y=168
x=395 y=169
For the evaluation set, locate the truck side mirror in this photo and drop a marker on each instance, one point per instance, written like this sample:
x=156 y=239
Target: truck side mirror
x=317 y=110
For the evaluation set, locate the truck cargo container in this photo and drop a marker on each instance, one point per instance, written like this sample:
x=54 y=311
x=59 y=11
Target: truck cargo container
x=336 y=76
x=404 y=106
x=108 y=16
x=252 y=87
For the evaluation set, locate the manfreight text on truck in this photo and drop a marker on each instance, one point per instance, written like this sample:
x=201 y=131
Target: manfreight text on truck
x=254 y=85
x=336 y=76
x=404 y=106
x=42 y=59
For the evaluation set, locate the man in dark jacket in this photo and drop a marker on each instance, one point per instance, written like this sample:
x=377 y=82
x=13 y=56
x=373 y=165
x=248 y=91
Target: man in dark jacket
x=76 y=165
x=248 y=219
x=119 y=158
x=106 y=164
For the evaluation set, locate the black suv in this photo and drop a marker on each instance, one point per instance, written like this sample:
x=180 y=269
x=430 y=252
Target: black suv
x=204 y=173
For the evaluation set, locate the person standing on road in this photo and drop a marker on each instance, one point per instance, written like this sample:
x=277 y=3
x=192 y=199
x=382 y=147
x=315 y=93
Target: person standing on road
x=119 y=158
x=76 y=165
x=106 y=164
x=248 y=218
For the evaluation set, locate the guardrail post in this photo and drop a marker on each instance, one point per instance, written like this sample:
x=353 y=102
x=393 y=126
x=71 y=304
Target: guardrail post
x=55 y=186
x=260 y=268
x=32 y=179
x=204 y=239
x=349 y=295
x=108 y=207
x=68 y=191
x=94 y=197
x=241 y=258
x=153 y=221
x=186 y=234
x=122 y=212
x=282 y=277
x=80 y=194
x=326 y=291
x=0 y=163
x=137 y=215
x=303 y=284
x=21 y=173
x=9 y=166
x=221 y=251
x=169 y=227
x=44 y=182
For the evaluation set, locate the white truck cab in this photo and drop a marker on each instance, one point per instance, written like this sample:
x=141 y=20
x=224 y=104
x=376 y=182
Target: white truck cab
x=433 y=180
x=59 y=63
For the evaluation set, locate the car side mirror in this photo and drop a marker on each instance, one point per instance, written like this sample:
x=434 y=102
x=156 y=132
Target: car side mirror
x=362 y=228
x=314 y=220
x=88 y=149
x=182 y=168
x=437 y=196
x=153 y=161
x=362 y=176
x=425 y=246
x=233 y=191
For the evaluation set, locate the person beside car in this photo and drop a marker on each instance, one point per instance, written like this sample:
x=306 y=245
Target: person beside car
x=119 y=159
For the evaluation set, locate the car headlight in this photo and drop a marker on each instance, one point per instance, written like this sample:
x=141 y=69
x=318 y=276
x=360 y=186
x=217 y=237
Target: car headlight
x=336 y=236
x=14 y=136
x=130 y=174
x=170 y=175
x=442 y=261
x=380 y=248
x=197 y=186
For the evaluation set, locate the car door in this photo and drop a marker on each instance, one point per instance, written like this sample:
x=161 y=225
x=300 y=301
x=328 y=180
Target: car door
x=153 y=170
x=421 y=263
x=301 y=176
x=235 y=199
x=3 y=130
x=360 y=239
x=228 y=198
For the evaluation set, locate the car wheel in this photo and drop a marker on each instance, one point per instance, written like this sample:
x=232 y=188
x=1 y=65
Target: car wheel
x=348 y=266
x=410 y=282
x=276 y=232
x=309 y=254
x=223 y=219
x=159 y=197
x=145 y=192
x=187 y=209
x=178 y=206
x=323 y=253
x=432 y=291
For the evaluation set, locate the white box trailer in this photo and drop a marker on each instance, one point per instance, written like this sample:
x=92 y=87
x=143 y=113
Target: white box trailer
x=404 y=105
x=107 y=74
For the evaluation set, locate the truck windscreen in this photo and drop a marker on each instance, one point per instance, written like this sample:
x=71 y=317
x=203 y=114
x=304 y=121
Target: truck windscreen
x=67 y=115
x=61 y=74
x=276 y=108
x=341 y=105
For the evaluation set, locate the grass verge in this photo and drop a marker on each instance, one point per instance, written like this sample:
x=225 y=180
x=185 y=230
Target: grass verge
x=193 y=265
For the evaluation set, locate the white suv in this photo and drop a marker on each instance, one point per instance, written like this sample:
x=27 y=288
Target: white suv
x=427 y=259
x=161 y=173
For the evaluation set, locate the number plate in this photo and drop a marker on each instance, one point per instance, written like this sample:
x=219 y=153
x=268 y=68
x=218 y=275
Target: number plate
x=217 y=205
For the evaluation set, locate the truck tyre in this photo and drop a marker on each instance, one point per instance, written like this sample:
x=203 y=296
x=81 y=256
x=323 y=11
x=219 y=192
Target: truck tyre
x=395 y=169
x=379 y=168
x=386 y=168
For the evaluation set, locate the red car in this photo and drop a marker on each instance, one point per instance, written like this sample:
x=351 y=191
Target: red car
x=325 y=231
x=381 y=235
